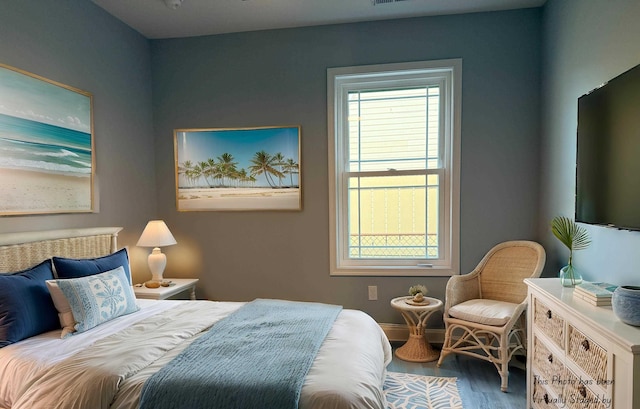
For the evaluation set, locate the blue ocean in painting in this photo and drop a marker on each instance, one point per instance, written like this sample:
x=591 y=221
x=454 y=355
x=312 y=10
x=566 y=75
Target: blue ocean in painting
x=36 y=146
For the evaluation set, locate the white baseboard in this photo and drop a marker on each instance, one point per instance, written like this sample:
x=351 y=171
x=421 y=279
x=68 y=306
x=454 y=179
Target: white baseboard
x=400 y=332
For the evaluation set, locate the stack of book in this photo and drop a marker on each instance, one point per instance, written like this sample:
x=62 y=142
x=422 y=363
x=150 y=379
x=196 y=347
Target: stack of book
x=594 y=293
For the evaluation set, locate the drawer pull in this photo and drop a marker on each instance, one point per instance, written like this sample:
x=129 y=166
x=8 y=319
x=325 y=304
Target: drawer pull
x=546 y=398
x=583 y=391
x=549 y=315
x=585 y=345
x=550 y=358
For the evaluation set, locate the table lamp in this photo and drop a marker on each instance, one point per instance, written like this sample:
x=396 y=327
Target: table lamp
x=156 y=235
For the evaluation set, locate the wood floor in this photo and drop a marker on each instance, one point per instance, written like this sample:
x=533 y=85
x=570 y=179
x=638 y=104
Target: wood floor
x=478 y=381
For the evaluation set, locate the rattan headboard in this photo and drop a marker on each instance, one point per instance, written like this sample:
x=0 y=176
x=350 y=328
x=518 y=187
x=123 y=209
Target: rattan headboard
x=19 y=251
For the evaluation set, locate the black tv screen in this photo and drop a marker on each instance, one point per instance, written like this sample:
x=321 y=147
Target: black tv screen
x=608 y=153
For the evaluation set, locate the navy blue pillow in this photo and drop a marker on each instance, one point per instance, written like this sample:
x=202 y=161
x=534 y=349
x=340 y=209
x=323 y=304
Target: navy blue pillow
x=76 y=268
x=26 y=308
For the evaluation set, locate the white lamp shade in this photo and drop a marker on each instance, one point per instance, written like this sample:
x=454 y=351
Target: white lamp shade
x=156 y=234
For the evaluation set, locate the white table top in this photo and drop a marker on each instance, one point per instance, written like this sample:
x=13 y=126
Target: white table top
x=179 y=285
x=400 y=303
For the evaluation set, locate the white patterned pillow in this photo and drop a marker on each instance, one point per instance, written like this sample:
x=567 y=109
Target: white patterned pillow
x=67 y=322
x=98 y=298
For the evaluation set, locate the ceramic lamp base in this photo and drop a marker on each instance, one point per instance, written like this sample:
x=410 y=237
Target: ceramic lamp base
x=157 y=261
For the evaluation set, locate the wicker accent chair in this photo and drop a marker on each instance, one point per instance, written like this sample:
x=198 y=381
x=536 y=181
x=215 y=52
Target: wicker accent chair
x=484 y=310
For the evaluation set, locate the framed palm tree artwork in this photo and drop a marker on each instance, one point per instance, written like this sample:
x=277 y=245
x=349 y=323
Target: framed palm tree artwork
x=240 y=169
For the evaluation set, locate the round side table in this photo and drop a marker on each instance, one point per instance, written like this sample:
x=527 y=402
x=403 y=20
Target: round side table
x=417 y=348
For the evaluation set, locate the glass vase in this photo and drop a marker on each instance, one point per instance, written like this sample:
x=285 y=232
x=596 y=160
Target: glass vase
x=569 y=276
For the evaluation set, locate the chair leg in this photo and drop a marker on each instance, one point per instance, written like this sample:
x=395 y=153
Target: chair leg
x=522 y=334
x=498 y=355
x=445 y=346
x=504 y=362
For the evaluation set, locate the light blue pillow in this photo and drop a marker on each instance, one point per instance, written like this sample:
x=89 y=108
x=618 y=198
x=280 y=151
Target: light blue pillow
x=98 y=298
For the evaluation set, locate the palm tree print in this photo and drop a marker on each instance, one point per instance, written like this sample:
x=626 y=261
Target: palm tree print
x=224 y=171
x=224 y=158
x=265 y=164
x=109 y=290
x=278 y=160
x=227 y=166
x=291 y=168
x=238 y=169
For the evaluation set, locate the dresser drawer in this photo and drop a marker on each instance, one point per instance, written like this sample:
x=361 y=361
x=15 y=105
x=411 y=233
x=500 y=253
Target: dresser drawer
x=549 y=366
x=588 y=355
x=580 y=396
x=541 y=399
x=551 y=324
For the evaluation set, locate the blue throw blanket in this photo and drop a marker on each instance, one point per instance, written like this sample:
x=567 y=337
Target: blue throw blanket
x=255 y=358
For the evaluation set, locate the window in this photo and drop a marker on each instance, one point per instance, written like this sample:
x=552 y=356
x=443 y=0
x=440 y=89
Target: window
x=394 y=148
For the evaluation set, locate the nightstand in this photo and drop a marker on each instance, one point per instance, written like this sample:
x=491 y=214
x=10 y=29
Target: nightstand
x=180 y=285
x=417 y=348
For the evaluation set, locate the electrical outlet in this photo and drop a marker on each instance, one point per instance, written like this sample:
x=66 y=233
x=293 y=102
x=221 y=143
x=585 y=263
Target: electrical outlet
x=373 y=292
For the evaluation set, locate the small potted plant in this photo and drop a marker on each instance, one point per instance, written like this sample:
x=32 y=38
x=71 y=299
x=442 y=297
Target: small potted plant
x=418 y=291
x=574 y=237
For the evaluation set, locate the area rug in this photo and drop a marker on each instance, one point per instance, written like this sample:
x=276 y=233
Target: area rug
x=409 y=391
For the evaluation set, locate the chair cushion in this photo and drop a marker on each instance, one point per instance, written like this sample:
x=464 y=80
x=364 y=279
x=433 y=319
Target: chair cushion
x=487 y=312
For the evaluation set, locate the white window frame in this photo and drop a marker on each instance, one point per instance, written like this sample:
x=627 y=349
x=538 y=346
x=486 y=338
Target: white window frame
x=344 y=79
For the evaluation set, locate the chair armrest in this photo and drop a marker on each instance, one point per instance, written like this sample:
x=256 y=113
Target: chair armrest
x=462 y=288
x=520 y=309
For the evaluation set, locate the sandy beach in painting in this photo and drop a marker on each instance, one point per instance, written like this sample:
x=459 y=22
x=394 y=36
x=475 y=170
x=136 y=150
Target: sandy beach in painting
x=239 y=199
x=40 y=192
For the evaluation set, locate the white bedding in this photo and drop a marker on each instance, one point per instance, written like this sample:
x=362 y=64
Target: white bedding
x=347 y=373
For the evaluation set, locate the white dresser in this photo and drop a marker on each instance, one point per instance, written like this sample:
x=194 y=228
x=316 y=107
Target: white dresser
x=579 y=356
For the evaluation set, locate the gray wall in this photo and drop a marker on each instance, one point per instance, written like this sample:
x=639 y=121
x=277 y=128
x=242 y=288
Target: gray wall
x=279 y=78
x=585 y=43
x=76 y=43
x=275 y=78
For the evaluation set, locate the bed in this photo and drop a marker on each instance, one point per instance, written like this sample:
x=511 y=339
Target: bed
x=112 y=363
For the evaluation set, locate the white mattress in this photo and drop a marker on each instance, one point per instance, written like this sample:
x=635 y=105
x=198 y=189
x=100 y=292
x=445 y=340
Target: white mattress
x=347 y=373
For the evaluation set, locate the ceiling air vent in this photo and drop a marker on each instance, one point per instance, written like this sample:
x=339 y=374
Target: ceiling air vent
x=376 y=2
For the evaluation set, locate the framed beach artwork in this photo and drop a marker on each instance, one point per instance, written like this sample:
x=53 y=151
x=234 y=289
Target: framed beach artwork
x=46 y=146
x=238 y=169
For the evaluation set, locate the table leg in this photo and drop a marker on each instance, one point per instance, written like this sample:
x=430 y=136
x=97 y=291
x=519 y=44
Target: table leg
x=417 y=348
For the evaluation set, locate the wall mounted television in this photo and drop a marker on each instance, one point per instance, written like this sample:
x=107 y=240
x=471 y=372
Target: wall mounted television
x=608 y=153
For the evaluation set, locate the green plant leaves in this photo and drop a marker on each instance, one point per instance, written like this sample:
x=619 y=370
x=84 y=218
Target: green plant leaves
x=569 y=233
x=419 y=288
